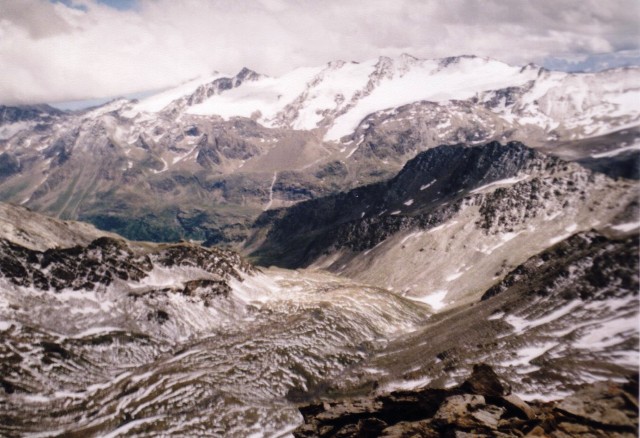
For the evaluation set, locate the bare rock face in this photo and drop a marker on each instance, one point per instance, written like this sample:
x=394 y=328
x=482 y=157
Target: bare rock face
x=479 y=407
x=468 y=411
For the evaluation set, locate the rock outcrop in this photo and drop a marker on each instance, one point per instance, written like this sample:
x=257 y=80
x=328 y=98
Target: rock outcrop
x=480 y=407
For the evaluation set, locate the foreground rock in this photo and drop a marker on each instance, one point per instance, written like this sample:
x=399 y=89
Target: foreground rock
x=479 y=407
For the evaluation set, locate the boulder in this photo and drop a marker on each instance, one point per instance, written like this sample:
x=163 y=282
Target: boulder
x=468 y=411
x=602 y=403
x=483 y=381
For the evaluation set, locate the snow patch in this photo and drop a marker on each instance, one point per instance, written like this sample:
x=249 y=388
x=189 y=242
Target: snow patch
x=434 y=299
x=521 y=325
x=407 y=384
x=426 y=186
x=629 y=226
x=502 y=182
x=608 y=333
x=613 y=153
x=96 y=331
x=273 y=182
x=529 y=353
x=546 y=397
x=442 y=227
x=164 y=167
x=560 y=238
x=504 y=238
x=410 y=236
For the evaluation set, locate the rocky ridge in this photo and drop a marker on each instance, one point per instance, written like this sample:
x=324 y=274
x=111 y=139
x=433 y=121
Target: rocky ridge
x=101 y=335
x=482 y=406
x=362 y=218
x=454 y=220
x=105 y=260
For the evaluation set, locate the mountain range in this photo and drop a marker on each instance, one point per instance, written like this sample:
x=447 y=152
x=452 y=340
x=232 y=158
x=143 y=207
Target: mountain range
x=398 y=247
x=203 y=160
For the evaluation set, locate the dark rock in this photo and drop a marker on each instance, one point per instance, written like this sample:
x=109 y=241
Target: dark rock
x=483 y=381
x=609 y=259
x=53 y=349
x=160 y=316
x=193 y=131
x=461 y=410
x=516 y=406
x=9 y=165
x=335 y=168
x=599 y=410
x=437 y=179
x=8 y=387
x=12 y=114
x=370 y=427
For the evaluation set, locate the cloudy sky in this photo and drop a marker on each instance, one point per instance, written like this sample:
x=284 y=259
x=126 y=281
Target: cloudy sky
x=52 y=51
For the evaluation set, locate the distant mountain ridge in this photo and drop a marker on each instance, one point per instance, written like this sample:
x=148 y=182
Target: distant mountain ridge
x=203 y=160
x=338 y=96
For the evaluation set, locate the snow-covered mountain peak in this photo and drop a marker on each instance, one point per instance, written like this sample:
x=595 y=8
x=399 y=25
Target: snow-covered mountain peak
x=336 y=97
x=337 y=64
x=310 y=98
x=247 y=74
x=118 y=104
x=388 y=67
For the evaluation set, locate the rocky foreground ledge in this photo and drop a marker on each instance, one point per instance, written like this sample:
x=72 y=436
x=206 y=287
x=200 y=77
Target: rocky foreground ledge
x=482 y=406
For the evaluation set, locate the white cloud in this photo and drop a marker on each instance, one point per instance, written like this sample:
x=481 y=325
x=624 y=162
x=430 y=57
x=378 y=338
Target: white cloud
x=52 y=52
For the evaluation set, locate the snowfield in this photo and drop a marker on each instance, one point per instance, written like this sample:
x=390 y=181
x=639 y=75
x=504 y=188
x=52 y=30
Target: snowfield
x=337 y=97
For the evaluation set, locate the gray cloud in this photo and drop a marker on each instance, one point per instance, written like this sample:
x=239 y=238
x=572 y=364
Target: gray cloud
x=38 y=19
x=52 y=52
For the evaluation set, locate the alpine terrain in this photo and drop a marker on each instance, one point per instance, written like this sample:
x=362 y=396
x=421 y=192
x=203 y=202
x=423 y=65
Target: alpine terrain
x=399 y=247
x=203 y=160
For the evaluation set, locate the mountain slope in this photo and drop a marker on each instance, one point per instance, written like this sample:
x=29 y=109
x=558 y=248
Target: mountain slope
x=564 y=317
x=449 y=224
x=135 y=338
x=121 y=337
